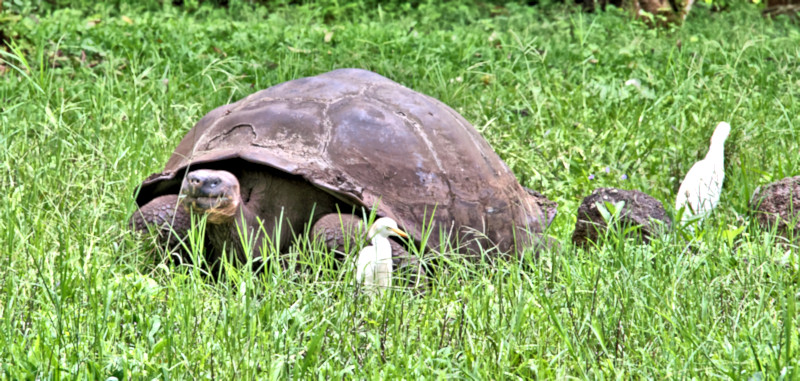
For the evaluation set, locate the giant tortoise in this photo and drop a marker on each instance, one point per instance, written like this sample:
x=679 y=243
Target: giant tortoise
x=289 y=158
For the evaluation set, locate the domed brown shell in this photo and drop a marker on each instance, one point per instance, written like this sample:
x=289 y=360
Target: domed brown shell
x=369 y=141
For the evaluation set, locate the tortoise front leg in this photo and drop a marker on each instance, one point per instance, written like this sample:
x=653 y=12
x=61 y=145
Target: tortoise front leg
x=344 y=233
x=340 y=232
x=164 y=216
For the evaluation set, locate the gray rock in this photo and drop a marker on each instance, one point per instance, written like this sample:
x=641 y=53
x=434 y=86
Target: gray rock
x=639 y=209
x=778 y=204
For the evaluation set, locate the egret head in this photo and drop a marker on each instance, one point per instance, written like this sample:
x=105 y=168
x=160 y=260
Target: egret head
x=385 y=227
x=721 y=133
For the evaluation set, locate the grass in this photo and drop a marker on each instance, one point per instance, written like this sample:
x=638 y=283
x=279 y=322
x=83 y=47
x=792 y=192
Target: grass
x=95 y=99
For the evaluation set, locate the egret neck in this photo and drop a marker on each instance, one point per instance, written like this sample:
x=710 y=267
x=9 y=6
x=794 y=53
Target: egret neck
x=716 y=155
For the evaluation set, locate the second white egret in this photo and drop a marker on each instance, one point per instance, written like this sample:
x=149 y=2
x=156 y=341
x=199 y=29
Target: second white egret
x=700 y=190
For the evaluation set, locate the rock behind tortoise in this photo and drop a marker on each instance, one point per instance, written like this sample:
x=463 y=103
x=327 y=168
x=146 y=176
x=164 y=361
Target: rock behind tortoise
x=640 y=209
x=373 y=143
x=777 y=205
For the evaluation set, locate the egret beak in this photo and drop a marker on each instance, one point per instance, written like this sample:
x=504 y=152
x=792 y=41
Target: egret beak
x=399 y=232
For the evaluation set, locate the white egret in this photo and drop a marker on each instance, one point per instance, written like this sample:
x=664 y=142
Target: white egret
x=700 y=189
x=374 y=263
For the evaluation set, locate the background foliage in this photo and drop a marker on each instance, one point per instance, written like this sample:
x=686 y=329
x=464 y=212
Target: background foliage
x=94 y=97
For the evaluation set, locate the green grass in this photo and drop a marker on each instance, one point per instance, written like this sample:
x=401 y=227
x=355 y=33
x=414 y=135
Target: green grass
x=81 y=298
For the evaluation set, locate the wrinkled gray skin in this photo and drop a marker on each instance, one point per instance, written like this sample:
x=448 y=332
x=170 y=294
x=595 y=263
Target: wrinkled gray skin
x=347 y=140
x=252 y=200
x=232 y=207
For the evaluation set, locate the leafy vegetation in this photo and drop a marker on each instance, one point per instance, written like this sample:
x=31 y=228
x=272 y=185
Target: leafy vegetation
x=95 y=99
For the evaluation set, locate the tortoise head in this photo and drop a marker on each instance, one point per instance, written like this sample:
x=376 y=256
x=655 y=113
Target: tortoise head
x=215 y=193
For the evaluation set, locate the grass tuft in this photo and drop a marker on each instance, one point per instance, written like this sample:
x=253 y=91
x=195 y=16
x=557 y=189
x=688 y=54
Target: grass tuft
x=95 y=99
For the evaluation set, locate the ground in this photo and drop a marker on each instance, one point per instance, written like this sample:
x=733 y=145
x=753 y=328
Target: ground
x=95 y=98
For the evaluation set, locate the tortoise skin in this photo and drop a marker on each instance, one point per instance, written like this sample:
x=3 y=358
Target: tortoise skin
x=371 y=142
